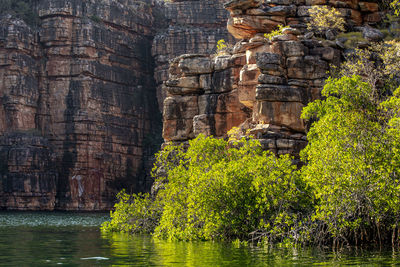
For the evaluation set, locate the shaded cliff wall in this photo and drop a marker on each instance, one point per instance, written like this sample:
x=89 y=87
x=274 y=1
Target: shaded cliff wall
x=78 y=94
x=79 y=117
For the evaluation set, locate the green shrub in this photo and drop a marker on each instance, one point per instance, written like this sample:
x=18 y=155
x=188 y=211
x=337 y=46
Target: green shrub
x=217 y=189
x=137 y=213
x=353 y=162
x=325 y=18
x=225 y=191
x=395 y=5
x=273 y=33
x=223 y=48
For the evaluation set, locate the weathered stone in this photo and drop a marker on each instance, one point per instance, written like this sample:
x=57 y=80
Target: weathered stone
x=373 y=17
x=249 y=74
x=284 y=37
x=205 y=81
x=223 y=62
x=188 y=82
x=244 y=27
x=195 y=65
x=281 y=10
x=222 y=81
x=28 y=179
x=291 y=31
x=252 y=54
x=180 y=107
x=279 y=93
x=281 y=113
x=267 y=61
x=269 y=79
x=183 y=90
x=204 y=124
x=327 y=53
x=294 y=49
x=241 y=4
x=309 y=67
x=368 y=7
x=372 y=34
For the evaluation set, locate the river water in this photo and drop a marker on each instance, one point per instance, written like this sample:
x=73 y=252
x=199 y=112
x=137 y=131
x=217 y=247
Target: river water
x=74 y=239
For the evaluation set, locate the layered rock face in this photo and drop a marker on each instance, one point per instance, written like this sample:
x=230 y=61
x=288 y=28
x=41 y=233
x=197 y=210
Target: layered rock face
x=187 y=27
x=262 y=85
x=98 y=97
x=79 y=117
x=78 y=102
x=80 y=94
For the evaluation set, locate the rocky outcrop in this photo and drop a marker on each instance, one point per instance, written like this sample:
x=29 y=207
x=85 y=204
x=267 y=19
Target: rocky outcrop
x=261 y=85
x=81 y=92
x=78 y=93
x=202 y=97
x=187 y=27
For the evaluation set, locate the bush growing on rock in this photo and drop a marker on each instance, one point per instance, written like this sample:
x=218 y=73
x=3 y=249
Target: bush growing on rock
x=324 y=18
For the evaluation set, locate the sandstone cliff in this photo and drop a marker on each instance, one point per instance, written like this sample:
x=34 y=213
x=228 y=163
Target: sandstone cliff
x=81 y=92
x=259 y=85
x=77 y=104
x=79 y=117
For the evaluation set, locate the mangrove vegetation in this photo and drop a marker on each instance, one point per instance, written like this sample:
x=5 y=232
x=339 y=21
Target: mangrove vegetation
x=346 y=191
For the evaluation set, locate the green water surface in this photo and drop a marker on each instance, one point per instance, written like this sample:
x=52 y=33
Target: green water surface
x=74 y=239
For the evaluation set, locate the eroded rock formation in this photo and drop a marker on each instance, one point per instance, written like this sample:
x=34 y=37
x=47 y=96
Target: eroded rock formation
x=79 y=113
x=187 y=27
x=81 y=92
x=261 y=85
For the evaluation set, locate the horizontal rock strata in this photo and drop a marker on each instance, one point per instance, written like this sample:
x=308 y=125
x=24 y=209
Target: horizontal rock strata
x=260 y=85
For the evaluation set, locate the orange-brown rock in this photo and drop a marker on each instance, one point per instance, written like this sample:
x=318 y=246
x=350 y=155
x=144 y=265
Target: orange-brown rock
x=192 y=27
x=78 y=96
x=270 y=80
x=78 y=93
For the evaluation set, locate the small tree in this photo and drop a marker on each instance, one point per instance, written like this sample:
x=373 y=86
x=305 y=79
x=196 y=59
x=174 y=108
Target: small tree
x=325 y=18
x=395 y=4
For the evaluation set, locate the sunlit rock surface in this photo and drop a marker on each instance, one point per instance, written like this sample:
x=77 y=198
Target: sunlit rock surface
x=260 y=85
x=82 y=93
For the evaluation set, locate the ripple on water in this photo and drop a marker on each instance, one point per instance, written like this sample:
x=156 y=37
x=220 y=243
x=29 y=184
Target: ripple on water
x=56 y=219
x=36 y=239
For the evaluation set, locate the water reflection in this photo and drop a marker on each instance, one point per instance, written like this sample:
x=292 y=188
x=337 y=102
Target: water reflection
x=49 y=239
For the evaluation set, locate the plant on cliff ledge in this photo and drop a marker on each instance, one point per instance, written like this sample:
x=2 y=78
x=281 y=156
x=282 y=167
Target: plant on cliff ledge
x=379 y=66
x=276 y=32
x=353 y=161
x=395 y=5
x=222 y=48
x=325 y=18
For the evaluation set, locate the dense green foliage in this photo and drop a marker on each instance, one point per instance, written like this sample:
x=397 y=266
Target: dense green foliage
x=347 y=192
x=353 y=161
x=220 y=189
x=137 y=213
x=22 y=9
